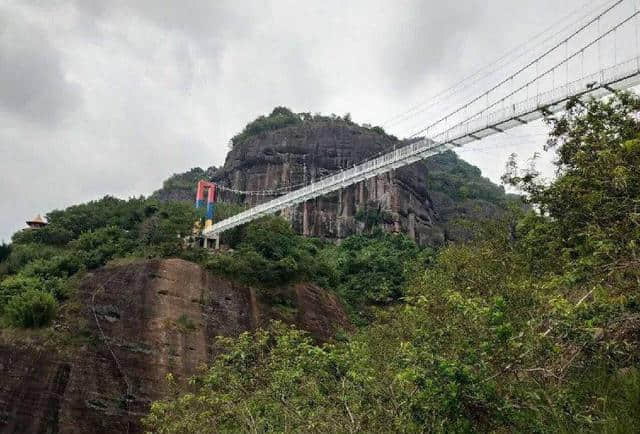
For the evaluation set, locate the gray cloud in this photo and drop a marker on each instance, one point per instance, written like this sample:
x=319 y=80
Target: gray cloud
x=32 y=82
x=429 y=39
x=112 y=97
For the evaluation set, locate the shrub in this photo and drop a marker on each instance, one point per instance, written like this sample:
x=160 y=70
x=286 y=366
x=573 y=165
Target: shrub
x=22 y=254
x=101 y=245
x=32 y=308
x=63 y=265
x=14 y=285
x=20 y=283
x=269 y=254
x=185 y=324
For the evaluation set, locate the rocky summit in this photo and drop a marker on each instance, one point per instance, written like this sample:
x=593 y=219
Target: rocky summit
x=424 y=200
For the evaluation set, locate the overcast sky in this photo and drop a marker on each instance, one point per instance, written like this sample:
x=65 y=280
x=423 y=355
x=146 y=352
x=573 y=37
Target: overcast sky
x=111 y=97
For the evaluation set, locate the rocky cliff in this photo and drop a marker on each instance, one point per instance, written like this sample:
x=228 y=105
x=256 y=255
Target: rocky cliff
x=136 y=324
x=423 y=200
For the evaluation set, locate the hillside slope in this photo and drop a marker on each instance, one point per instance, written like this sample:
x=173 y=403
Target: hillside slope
x=138 y=322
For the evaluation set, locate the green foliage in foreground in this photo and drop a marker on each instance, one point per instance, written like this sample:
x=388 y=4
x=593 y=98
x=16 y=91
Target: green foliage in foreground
x=534 y=327
x=468 y=351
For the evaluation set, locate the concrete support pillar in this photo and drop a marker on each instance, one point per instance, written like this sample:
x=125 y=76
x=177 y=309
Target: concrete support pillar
x=213 y=242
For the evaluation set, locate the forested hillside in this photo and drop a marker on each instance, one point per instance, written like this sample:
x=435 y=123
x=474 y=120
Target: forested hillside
x=531 y=324
x=534 y=326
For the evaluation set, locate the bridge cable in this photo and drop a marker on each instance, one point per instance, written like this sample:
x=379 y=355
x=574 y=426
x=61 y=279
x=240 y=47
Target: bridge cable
x=434 y=99
x=551 y=70
x=499 y=84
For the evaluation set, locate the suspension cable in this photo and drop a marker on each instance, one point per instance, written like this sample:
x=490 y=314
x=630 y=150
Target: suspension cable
x=432 y=101
x=550 y=70
x=518 y=72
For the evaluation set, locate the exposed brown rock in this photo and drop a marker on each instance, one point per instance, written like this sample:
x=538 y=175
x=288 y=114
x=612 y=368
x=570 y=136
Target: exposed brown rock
x=146 y=320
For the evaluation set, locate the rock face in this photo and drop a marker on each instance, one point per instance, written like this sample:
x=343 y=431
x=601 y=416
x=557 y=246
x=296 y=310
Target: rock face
x=144 y=321
x=399 y=201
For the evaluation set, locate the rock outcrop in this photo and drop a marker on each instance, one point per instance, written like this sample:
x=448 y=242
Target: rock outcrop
x=143 y=321
x=399 y=201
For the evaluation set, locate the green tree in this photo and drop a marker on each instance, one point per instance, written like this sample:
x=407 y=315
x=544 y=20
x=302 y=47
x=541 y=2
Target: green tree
x=591 y=208
x=14 y=285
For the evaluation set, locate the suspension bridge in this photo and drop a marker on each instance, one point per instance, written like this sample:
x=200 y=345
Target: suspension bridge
x=598 y=56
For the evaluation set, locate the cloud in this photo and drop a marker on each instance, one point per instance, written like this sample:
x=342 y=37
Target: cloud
x=428 y=39
x=112 y=97
x=32 y=82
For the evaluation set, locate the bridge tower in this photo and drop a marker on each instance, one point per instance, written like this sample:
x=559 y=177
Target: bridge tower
x=212 y=198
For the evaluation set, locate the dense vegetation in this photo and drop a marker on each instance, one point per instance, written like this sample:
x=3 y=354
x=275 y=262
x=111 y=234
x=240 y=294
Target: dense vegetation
x=365 y=270
x=282 y=117
x=533 y=326
x=460 y=180
x=182 y=185
x=35 y=272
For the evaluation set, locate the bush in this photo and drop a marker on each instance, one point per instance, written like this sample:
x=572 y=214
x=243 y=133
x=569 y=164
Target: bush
x=63 y=265
x=14 y=285
x=22 y=254
x=269 y=254
x=101 y=245
x=20 y=283
x=32 y=308
x=172 y=221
